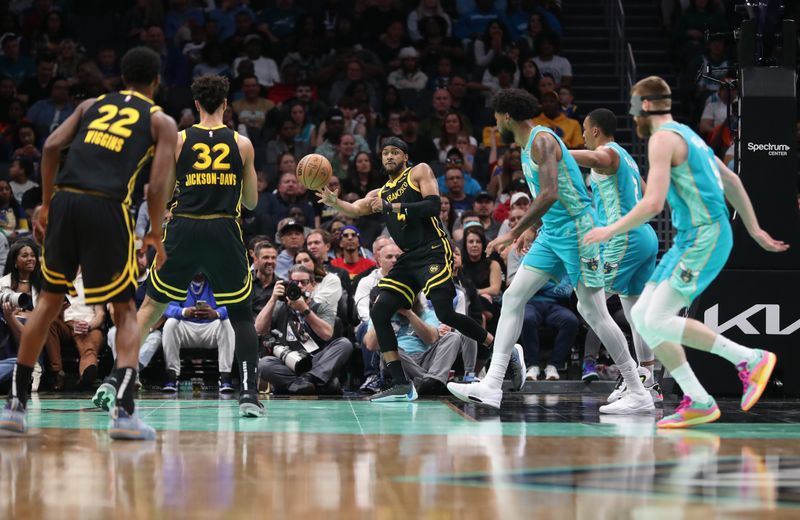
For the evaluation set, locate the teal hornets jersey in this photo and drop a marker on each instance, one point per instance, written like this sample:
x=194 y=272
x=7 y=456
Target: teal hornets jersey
x=573 y=199
x=696 y=195
x=615 y=195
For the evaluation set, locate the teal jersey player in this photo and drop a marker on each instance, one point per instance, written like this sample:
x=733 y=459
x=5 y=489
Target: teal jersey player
x=685 y=172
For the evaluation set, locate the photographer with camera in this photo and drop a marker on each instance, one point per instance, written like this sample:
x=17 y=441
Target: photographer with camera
x=301 y=329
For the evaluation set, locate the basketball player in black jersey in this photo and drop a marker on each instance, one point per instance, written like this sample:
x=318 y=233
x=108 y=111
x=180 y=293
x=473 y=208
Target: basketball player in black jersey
x=215 y=177
x=410 y=201
x=85 y=215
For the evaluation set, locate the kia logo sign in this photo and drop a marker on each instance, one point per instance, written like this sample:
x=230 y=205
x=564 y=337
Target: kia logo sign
x=772 y=324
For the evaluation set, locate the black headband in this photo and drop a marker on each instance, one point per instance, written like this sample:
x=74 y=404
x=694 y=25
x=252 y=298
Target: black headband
x=396 y=142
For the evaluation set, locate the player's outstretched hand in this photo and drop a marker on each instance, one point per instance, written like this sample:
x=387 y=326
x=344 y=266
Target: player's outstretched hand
x=328 y=197
x=153 y=239
x=597 y=235
x=768 y=243
x=523 y=243
x=500 y=243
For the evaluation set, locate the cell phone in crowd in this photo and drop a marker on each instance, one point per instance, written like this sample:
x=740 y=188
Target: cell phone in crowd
x=202 y=304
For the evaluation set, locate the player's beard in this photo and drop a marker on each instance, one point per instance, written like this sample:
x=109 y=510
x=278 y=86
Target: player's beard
x=395 y=169
x=642 y=127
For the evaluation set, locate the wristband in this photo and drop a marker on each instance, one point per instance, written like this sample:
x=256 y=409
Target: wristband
x=387 y=207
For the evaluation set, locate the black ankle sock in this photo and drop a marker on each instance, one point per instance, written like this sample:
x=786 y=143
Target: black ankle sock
x=395 y=369
x=21 y=383
x=126 y=378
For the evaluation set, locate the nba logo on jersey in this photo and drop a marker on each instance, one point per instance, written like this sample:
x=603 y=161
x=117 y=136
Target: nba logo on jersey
x=210 y=133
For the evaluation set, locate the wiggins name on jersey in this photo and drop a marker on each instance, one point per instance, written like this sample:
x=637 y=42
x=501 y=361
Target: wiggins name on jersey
x=409 y=232
x=114 y=141
x=209 y=172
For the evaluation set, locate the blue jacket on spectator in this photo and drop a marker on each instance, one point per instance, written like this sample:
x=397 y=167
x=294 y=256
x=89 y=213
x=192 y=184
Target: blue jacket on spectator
x=471 y=186
x=554 y=293
x=197 y=291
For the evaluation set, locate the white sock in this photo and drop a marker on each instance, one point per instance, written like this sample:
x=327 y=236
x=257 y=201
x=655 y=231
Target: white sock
x=731 y=350
x=689 y=383
x=630 y=373
x=497 y=370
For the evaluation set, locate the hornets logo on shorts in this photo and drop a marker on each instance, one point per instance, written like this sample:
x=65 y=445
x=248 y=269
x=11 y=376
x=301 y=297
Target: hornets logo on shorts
x=609 y=268
x=686 y=274
x=592 y=263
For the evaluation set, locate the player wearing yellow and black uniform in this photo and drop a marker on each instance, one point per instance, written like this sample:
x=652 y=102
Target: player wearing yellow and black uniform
x=85 y=209
x=215 y=177
x=410 y=201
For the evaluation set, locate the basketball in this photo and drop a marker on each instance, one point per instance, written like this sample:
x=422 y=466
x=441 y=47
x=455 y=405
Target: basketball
x=314 y=171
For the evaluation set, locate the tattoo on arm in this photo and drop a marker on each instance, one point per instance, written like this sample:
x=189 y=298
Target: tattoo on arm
x=544 y=152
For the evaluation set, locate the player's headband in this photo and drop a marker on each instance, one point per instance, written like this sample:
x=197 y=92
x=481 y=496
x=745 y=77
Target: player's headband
x=396 y=142
x=636 y=105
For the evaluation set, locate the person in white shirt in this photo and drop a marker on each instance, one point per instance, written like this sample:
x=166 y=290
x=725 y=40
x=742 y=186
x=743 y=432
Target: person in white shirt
x=328 y=288
x=408 y=75
x=550 y=62
x=266 y=70
x=21 y=171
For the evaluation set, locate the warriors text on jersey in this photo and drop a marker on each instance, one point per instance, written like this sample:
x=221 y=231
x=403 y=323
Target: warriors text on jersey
x=410 y=232
x=113 y=143
x=209 y=172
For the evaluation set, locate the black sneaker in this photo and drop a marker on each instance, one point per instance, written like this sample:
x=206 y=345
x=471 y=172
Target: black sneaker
x=395 y=393
x=171 y=384
x=225 y=383
x=303 y=385
x=250 y=406
x=87 y=379
x=429 y=387
x=332 y=387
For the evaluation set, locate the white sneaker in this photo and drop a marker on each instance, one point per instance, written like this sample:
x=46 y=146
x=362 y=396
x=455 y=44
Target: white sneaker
x=477 y=393
x=622 y=388
x=37 y=377
x=533 y=373
x=518 y=384
x=630 y=403
x=651 y=385
x=550 y=373
x=619 y=390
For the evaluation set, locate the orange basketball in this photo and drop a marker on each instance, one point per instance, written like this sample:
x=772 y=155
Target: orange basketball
x=314 y=171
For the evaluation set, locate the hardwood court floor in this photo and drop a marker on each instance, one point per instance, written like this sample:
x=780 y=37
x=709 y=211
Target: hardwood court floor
x=541 y=457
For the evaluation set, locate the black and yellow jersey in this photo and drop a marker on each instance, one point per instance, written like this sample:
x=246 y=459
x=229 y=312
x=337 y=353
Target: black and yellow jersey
x=209 y=172
x=410 y=232
x=113 y=143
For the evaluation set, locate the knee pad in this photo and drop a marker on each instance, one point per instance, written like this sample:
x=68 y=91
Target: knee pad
x=656 y=327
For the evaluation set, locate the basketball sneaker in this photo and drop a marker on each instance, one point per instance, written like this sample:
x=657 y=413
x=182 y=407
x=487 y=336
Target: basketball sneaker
x=225 y=384
x=106 y=396
x=128 y=427
x=589 y=370
x=755 y=376
x=630 y=403
x=516 y=367
x=551 y=373
x=250 y=406
x=477 y=393
x=395 y=393
x=12 y=418
x=689 y=413
x=644 y=375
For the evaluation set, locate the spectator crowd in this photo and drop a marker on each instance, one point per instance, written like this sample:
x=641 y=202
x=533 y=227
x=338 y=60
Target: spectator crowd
x=324 y=76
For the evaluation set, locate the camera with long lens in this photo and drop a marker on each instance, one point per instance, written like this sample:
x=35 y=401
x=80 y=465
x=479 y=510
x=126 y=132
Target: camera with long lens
x=293 y=291
x=17 y=299
x=298 y=361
